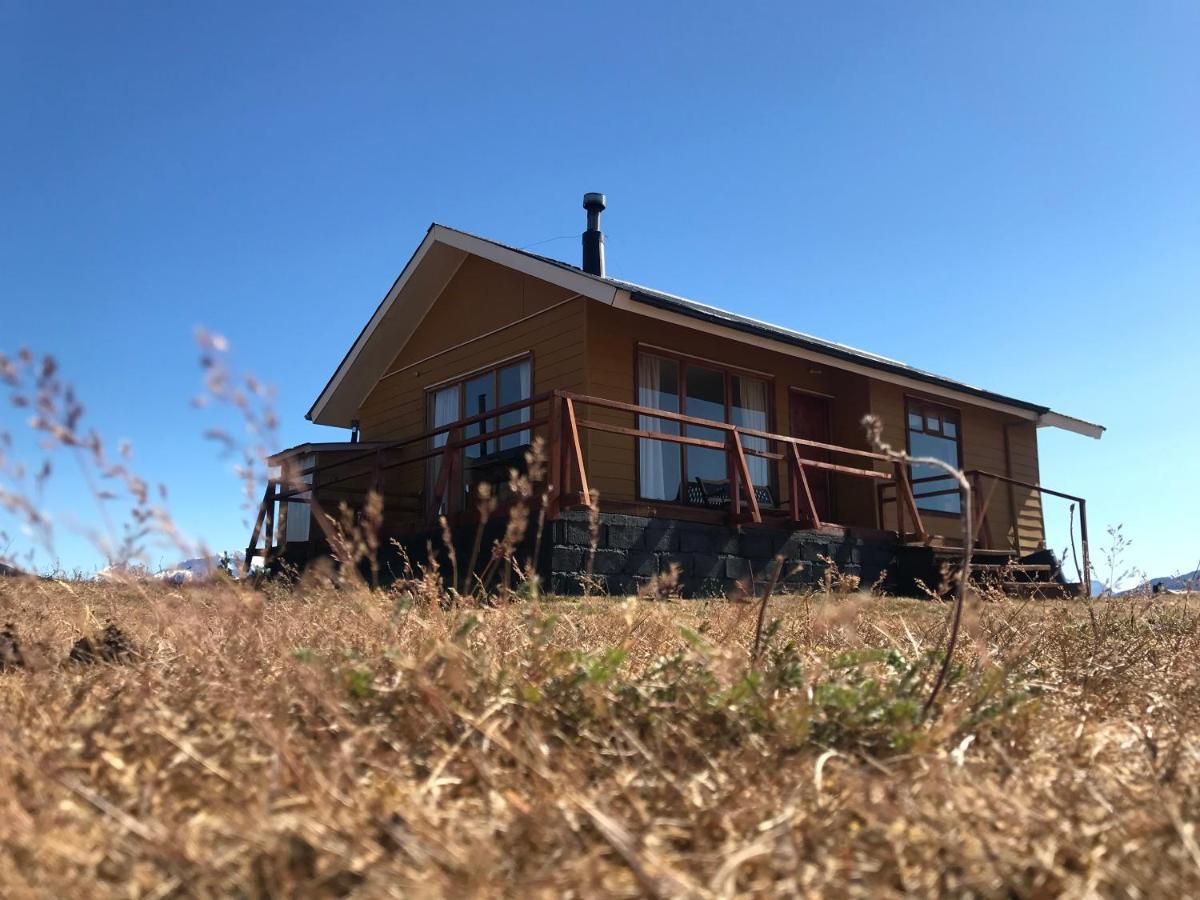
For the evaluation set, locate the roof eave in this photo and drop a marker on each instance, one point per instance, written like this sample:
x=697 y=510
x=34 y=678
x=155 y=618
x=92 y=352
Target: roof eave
x=1052 y=419
x=1031 y=410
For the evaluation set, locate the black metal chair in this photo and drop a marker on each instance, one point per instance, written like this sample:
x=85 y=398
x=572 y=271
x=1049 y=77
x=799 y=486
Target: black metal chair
x=715 y=494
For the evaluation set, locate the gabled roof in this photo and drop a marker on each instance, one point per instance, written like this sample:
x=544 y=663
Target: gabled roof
x=443 y=250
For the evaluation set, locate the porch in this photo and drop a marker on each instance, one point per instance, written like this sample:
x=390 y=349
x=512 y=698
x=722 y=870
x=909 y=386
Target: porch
x=770 y=481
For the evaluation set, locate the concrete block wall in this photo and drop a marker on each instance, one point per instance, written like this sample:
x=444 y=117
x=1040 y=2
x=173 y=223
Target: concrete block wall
x=633 y=550
x=711 y=559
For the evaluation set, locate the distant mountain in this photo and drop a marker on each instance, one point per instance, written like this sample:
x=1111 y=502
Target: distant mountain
x=190 y=570
x=1189 y=581
x=1171 y=583
x=1098 y=587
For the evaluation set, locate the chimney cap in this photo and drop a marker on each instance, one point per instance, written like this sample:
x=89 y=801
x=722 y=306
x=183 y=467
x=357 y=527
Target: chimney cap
x=593 y=199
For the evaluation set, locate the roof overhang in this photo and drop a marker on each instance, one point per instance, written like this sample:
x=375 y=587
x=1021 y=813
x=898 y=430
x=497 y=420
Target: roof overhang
x=321 y=447
x=767 y=342
x=1052 y=419
x=772 y=338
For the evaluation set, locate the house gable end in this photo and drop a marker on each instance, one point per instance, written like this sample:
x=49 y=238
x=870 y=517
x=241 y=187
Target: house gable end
x=486 y=313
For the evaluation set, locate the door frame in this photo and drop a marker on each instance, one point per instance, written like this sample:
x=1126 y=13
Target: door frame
x=829 y=400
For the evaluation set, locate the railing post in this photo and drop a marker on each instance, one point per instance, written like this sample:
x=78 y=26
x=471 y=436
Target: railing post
x=742 y=469
x=800 y=480
x=983 y=528
x=905 y=497
x=441 y=490
x=731 y=476
x=576 y=449
x=555 y=452
x=1083 y=541
x=793 y=469
x=377 y=473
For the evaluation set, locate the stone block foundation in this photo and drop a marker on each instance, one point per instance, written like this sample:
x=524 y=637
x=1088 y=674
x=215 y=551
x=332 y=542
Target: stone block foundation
x=709 y=560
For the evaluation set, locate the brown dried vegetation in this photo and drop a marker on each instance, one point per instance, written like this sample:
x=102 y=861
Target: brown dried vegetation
x=330 y=742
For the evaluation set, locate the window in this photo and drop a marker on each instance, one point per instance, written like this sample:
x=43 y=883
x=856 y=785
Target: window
x=701 y=391
x=475 y=395
x=934 y=431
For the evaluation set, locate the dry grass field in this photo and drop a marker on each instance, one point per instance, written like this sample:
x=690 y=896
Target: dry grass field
x=325 y=742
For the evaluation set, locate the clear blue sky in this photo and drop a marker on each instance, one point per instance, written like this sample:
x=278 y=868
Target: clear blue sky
x=1008 y=194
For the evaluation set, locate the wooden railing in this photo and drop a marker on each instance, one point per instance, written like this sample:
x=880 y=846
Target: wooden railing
x=784 y=449
x=983 y=489
x=556 y=415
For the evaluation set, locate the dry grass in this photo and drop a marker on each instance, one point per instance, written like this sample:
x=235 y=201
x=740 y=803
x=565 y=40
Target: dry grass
x=343 y=742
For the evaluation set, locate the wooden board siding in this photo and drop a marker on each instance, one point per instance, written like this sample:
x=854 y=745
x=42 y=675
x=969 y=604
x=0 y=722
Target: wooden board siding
x=983 y=447
x=486 y=313
x=612 y=339
x=1024 y=453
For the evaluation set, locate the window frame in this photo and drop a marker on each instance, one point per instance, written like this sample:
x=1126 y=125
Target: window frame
x=460 y=382
x=944 y=411
x=683 y=360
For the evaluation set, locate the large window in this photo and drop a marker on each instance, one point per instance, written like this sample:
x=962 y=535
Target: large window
x=935 y=431
x=476 y=395
x=701 y=391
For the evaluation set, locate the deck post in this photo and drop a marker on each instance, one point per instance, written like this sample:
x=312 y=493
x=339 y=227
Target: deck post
x=269 y=524
x=283 y=517
x=252 y=547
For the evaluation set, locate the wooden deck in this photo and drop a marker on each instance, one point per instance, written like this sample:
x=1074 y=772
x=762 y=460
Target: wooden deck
x=562 y=418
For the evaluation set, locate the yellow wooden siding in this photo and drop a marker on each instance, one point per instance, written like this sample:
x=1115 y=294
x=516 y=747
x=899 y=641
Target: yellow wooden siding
x=983 y=449
x=486 y=313
x=613 y=336
x=1023 y=447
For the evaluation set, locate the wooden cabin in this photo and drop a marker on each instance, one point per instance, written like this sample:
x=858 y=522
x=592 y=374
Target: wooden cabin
x=713 y=441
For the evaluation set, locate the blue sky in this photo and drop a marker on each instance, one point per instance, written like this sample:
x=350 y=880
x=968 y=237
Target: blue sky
x=1007 y=194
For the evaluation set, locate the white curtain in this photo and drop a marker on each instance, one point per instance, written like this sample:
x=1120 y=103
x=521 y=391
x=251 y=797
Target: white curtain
x=650 y=452
x=445 y=411
x=752 y=413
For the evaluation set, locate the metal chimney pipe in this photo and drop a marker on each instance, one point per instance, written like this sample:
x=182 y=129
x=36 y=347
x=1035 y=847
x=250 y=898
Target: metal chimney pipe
x=593 y=238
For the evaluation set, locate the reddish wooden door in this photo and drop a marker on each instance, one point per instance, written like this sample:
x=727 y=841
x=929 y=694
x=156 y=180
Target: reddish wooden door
x=809 y=416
